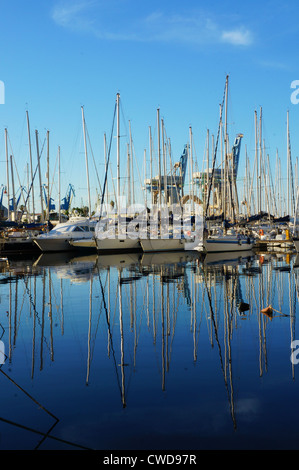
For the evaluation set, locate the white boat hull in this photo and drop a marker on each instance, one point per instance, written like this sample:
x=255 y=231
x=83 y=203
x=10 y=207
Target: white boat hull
x=158 y=244
x=116 y=244
x=222 y=244
x=84 y=243
x=54 y=244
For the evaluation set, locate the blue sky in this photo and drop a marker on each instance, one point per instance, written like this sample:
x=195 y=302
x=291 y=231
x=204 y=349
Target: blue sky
x=59 y=55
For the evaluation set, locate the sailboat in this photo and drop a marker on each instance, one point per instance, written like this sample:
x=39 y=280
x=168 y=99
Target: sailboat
x=168 y=233
x=16 y=236
x=230 y=240
x=118 y=241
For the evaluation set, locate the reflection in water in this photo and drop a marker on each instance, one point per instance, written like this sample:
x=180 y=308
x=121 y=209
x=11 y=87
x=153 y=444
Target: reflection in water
x=178 y=307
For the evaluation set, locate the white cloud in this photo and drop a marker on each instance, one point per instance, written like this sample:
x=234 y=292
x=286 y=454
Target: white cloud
x=237 y=37
x=71 y=15
x=198 y=28
x=273 y=64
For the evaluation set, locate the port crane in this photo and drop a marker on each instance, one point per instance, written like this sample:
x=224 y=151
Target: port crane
x=66 y=201
x=13 y=202
x=51 y=203
x=172 y=185
x=220 y=179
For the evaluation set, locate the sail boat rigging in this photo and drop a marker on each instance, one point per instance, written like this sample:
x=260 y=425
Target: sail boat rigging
x=226 y=241
x=118 y=241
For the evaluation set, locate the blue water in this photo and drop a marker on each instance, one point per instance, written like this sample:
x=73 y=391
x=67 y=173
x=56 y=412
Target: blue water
x=148 y=352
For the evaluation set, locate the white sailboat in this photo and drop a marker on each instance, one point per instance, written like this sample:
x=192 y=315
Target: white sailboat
x=228 y=240
x=166 y=236
x=118 y=242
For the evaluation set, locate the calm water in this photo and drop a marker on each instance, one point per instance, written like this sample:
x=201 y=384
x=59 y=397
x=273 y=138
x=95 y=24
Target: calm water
x=162 y=351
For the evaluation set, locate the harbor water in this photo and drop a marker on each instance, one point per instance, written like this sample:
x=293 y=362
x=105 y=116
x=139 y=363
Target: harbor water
x=149 y=351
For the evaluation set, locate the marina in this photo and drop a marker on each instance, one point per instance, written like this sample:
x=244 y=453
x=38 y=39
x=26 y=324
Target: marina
x=158 y=325
x=203 y=214
x=149 y=229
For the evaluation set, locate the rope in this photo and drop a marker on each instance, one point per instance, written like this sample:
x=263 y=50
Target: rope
x=215 y=152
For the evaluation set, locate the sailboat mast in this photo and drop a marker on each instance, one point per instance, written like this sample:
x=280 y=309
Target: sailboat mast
x=277 y=186
x=31 y=166
x=222 y=163
x=59 y=185
x=13 y=189
x=129 y=174
x=225 y=150
x=48 y=177
x=7 y=174
x=132 y=187
x=260 y=162
x=86 y=160
x=145 y=179
x=164 y=165
x=118 y=154
x=105 y=153
x=256 y=164
x=151 y=163
x=191 y=164
x=159 y=154
x=213 y=180
x=27 y=173
x=40 y=176
x=208 y=162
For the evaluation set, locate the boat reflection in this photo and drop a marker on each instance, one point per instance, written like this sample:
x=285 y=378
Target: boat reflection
x=66 y=266
x=172 y=302
x=233 y=257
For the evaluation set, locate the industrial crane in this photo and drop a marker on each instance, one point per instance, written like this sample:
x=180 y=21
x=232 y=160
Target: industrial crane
x=66 y=201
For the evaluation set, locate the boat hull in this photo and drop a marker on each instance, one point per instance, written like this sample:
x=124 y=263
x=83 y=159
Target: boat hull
x=84 y=244
x=158 y=244
x=54 y=244
x=105 y=245
x=18 y=245
x=218 y=245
